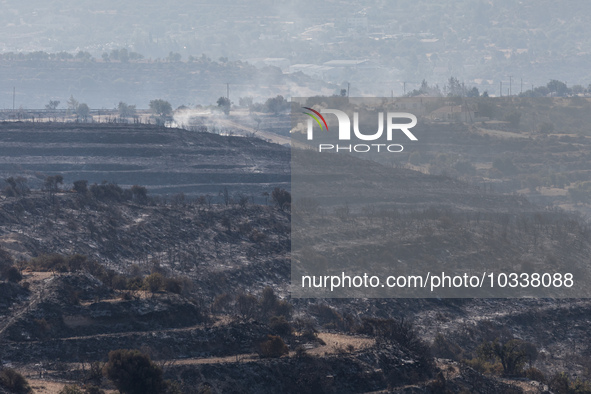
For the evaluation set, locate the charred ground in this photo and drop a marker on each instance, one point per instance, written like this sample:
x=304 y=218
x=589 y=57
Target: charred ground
x=200 y=285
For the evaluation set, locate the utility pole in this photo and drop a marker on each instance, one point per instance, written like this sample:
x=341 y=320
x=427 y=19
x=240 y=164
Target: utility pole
x=228 y=91
x=348 y=86
x=510 y=83
x=404 y=87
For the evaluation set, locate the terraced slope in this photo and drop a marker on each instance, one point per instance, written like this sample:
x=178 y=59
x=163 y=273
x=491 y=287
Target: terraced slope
x=166 y=161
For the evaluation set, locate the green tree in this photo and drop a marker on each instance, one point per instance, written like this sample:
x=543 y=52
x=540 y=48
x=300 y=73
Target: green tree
x=160 y=107
x=123 y=55
x=132 y=372
x=154 y=282
x=557 y=88
x=72 y=104
x=52 y=106
x=454 y=88
x=82 y=55
x=52 y=183
x=83 y=111
x=174 y=57
x=276 y=104
x=245 y=101
x=125 y=110
x=473 y=92
x=224 y=104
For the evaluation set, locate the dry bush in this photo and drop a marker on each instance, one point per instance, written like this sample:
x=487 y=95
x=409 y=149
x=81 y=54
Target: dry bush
x=273 y=347
x=13 y=381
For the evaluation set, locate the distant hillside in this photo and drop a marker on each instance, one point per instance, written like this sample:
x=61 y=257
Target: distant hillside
x=103 y=84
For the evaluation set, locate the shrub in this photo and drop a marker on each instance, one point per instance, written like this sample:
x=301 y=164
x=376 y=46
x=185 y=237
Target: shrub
x=81 y=186
x=52 y=183
x=300 y=351
x=438 y=385
x=58 y=262
x=484 y=366
x=257 y=236
x=280 y=325
x=271 y=305
x=132 y=372
x=14 y=381
x=221 y=303
x=327 y=316
x=71 y=389
x=42 y=326
x=513 y=118
x=273 y=347
x=6 y=260
x=535 y=374
x=95 y=373
x=12 y=274
x=154 y=282
x=402 y=332
x=559 y=383
x=177 y=285
x=16 y=187
x=9 y=192
x=139 y=193
x=107 y=191
x=281 y=197
x=512 y=354
x=443 y=348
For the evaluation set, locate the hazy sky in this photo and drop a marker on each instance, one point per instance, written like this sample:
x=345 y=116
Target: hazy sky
x=482 y=43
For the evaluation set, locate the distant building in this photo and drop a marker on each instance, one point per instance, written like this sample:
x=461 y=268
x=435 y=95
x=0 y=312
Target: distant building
x=352 y=64
x=456 y=113
x=281 y=62
x=314 y=70
x=334 y=70
x=432 y=44
x=415 y=105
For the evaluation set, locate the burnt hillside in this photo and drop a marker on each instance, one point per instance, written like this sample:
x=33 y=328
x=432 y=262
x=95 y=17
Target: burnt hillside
x=166 y=161
x=199 y=284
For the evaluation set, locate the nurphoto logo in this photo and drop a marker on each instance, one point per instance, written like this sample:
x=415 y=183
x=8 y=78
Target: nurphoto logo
x=391 y=124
